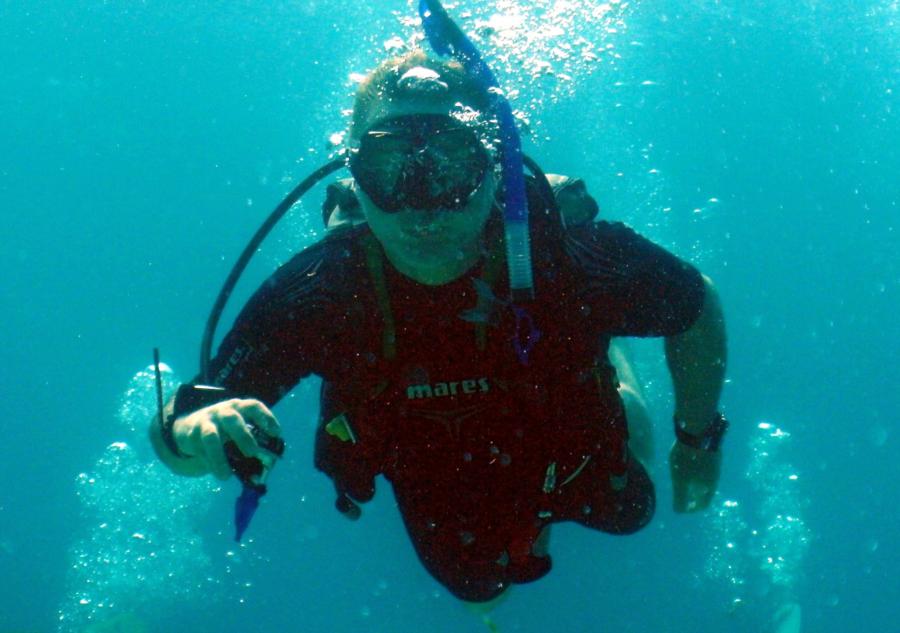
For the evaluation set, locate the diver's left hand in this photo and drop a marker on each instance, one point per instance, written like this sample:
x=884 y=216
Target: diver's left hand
x=695 y=475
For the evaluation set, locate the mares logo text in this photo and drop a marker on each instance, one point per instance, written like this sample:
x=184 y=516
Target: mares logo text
x=443 y=389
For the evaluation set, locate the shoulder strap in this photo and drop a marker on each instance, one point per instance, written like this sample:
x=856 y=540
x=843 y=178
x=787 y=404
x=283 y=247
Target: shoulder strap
x=496 y=261
x=375 y=264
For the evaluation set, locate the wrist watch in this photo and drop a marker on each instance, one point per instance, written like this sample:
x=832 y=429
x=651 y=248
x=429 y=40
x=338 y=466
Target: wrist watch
x=709 y=440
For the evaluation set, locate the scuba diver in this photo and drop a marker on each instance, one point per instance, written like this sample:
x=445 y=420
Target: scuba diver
x=489 y=405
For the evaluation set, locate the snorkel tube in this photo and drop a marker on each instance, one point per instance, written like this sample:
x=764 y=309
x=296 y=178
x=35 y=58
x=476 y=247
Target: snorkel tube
x=446 y=38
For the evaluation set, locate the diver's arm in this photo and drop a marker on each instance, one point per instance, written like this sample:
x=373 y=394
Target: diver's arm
x=696 y=360
x=280 y=337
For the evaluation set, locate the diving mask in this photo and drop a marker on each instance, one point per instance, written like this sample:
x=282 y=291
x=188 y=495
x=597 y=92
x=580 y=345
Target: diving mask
x=421 y=161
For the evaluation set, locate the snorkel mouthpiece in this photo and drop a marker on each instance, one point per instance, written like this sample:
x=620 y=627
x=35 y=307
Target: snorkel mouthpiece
x=446 y=38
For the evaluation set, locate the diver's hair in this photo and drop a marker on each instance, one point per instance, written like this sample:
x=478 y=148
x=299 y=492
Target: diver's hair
x=382 y=85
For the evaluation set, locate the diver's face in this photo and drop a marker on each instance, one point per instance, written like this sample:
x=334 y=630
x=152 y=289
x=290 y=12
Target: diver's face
x=425 y=188
x=431 y=236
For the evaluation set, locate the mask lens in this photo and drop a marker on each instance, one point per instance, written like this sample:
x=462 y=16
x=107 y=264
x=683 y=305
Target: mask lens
x=421 y=162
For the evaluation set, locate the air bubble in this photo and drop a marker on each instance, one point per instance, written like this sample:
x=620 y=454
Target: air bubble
x=129 y=497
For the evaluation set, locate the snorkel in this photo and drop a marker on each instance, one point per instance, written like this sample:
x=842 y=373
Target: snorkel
x=446 y=38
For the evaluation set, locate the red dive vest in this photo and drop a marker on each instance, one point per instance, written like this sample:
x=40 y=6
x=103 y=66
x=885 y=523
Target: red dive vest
x=453 y=416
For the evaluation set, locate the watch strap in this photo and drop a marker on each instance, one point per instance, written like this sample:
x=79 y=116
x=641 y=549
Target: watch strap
x=711 y=438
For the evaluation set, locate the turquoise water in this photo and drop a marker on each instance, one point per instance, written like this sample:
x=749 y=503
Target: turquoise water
x=142 y=143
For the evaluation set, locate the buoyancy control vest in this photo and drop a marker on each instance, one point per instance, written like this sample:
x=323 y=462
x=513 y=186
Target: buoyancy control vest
x=408 y=415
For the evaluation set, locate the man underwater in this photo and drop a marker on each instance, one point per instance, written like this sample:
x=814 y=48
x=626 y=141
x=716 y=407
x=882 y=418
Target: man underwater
x=491 y=418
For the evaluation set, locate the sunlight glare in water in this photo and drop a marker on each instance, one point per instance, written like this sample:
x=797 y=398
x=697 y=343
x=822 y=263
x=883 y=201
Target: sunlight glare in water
x=540 y=50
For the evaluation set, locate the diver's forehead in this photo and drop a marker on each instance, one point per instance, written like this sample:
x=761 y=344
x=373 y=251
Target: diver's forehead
x=455 y=109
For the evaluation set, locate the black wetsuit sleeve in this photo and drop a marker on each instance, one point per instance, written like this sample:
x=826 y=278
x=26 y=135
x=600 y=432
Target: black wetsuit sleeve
x=631 y=286
x=285 y=331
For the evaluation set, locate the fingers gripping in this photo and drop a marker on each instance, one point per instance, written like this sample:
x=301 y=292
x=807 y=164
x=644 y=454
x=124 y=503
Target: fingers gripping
x=213 y=449
x=228 y=421
x=255 y=412
x=233 y=426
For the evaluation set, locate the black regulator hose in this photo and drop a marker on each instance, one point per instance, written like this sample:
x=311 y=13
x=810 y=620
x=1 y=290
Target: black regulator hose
x=238 y=269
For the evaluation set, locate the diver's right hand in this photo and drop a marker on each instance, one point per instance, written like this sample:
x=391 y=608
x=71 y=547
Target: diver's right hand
x=201 y=435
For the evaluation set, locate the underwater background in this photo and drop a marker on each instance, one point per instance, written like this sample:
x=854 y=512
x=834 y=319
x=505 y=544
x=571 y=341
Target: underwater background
x=142 y=143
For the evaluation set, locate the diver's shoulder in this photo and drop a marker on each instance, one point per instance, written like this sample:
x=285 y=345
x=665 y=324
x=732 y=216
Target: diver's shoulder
x=603 y=233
